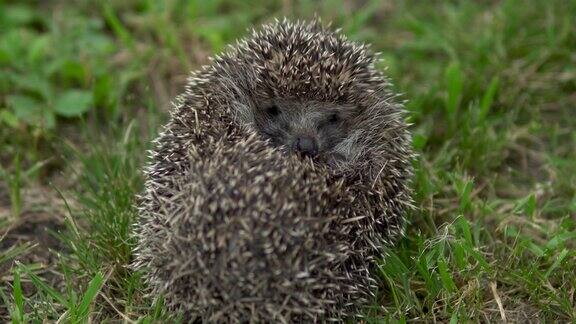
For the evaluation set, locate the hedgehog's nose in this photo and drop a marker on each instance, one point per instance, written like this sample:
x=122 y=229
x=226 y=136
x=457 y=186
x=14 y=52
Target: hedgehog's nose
x=305 y=145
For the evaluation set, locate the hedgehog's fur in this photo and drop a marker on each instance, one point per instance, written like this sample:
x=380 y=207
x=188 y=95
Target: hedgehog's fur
x=233 y=229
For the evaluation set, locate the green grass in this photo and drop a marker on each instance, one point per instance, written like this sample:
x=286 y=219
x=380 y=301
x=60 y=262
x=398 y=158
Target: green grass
x=491 y=92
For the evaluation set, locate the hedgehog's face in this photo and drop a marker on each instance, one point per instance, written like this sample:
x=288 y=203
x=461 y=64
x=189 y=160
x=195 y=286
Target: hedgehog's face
x=312 y=129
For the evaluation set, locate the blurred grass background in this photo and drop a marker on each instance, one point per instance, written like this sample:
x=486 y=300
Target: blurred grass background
x=491 y=90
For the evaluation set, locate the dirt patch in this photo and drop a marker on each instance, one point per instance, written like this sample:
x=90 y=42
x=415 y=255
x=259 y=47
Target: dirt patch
x=34 y=228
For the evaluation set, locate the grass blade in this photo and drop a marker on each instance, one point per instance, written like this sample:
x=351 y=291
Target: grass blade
x=455 y=85
x=488 y=99
x=557 y=262
x=15 y=251
x=93 y=289
x=41 y=285
x=17 y=294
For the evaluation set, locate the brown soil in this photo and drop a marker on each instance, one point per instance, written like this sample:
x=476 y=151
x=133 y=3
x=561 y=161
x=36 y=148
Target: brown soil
x=34 y=227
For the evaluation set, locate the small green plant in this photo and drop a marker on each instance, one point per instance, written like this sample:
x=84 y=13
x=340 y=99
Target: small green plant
x=77 y=304
x=45 y=74
x=15 y=177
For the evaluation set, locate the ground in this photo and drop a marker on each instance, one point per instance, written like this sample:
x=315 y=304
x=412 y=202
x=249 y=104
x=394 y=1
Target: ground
x=491 y=94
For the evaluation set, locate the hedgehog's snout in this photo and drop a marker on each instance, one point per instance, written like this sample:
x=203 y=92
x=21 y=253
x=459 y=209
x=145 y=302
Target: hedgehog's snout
x=305 y=145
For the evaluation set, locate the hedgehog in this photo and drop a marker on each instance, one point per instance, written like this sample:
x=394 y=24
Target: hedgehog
x=281 y=177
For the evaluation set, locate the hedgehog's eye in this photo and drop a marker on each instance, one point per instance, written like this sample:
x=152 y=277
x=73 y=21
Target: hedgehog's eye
x=333 y=119
x=273 y=111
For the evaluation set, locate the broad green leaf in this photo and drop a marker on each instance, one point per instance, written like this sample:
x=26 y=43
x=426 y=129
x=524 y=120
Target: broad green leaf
x=73 y=103
x=12 y=45
x=97 y=44
x=26 y=108
x=9 y=118
x=39 y=46
x=33 y=83
x=73 y=71
x=19 y=15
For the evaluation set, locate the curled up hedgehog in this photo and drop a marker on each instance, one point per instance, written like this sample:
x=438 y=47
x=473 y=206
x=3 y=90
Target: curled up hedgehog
x=280 y=178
